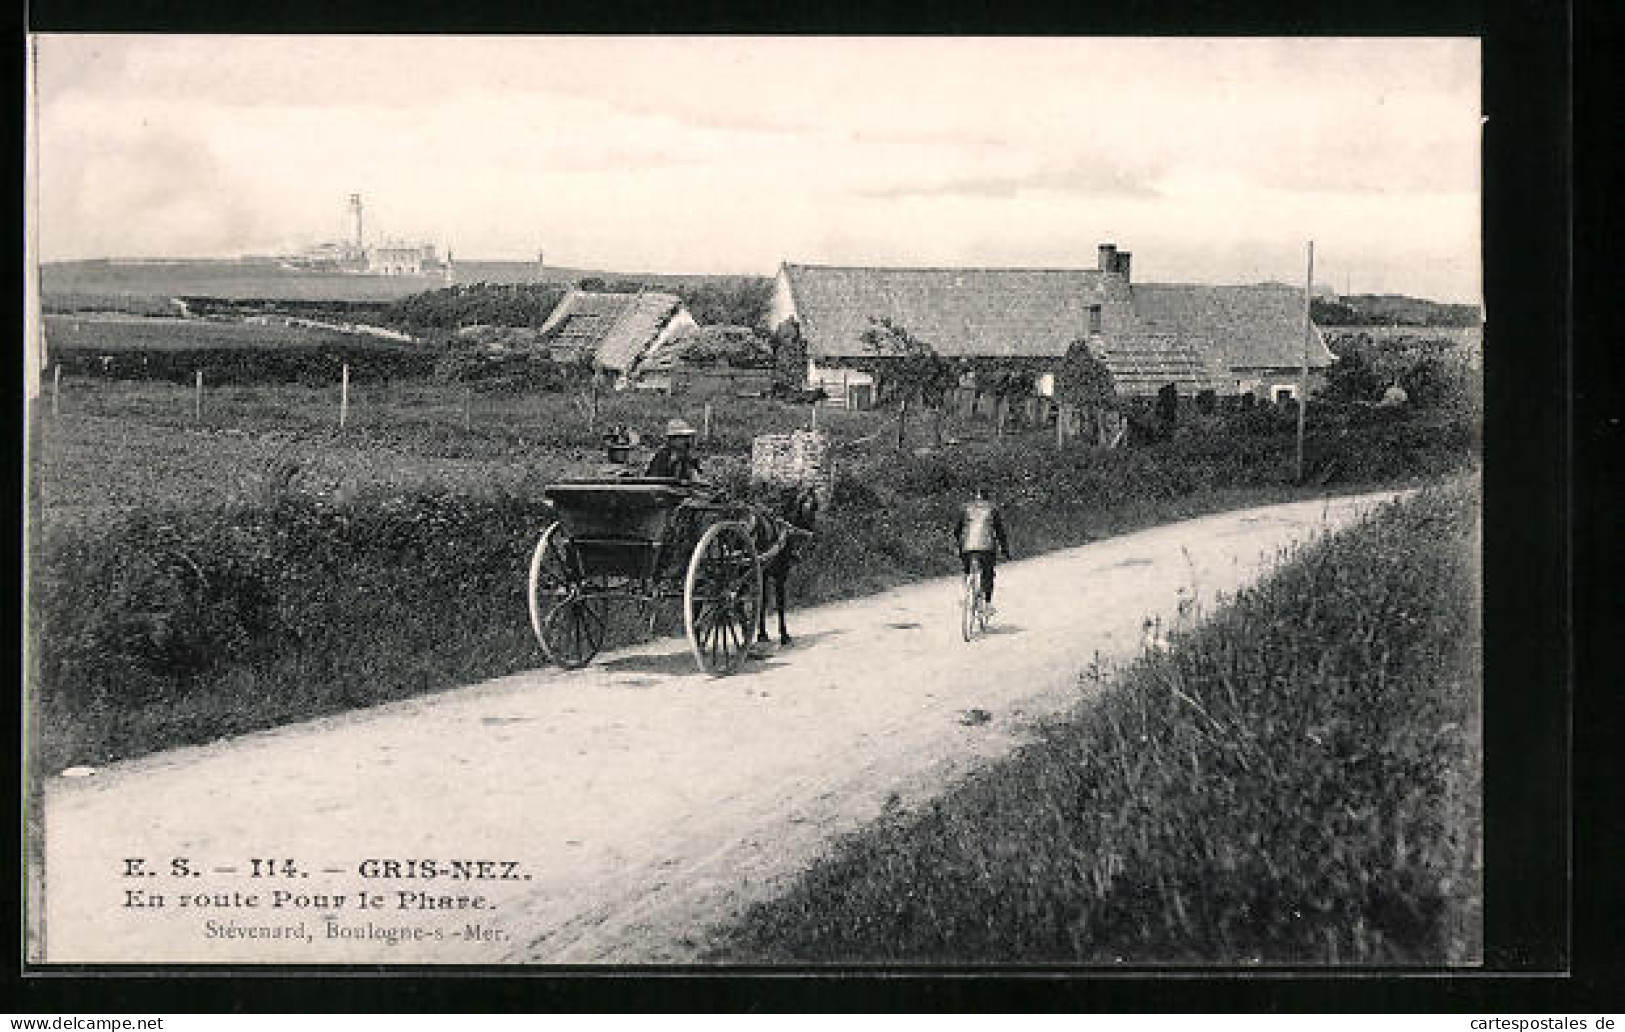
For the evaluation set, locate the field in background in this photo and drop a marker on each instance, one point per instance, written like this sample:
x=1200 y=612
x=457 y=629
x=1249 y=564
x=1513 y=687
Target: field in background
x=119 y=445
x=113 y=283
x=114 y=333
x=1297 y=782
x=243 y=278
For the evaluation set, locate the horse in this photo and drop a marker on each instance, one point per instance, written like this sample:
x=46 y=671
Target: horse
x=780 y=536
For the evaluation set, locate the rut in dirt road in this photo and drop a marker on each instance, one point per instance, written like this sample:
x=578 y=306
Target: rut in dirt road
x=610 y=814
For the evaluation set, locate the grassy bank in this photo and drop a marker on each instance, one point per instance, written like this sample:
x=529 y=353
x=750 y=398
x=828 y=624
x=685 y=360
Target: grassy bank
x=1296 y=782
x=189 y=583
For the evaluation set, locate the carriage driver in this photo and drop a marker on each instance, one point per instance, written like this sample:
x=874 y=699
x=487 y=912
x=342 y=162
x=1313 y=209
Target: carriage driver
x=676 y=457
x=980 y=532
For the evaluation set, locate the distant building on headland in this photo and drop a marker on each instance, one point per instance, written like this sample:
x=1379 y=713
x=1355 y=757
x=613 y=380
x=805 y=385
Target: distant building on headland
x=387 y=258
x=398 y=258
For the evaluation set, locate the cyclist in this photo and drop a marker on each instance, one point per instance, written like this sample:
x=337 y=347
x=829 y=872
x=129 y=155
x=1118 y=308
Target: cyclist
x=979 y=534
x=676 y=457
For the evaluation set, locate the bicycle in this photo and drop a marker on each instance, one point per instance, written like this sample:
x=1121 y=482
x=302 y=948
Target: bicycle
x=974 y=606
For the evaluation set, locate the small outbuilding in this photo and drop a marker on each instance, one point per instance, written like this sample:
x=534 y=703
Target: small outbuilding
x=617 y=330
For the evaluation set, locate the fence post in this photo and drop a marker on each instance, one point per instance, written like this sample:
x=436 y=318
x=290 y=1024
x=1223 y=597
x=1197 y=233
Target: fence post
x=814 y=407
x=468 y=405
x=197 y=401
x=705 y=422
x=1060 y=427
x=56 y=390
x=344 y=395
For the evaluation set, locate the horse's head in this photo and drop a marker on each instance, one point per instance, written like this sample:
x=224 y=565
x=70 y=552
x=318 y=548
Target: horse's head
x=799 y=506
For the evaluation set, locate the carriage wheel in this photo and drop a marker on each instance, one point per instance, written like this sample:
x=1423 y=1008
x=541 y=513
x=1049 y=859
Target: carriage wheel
x=722 y=598
x=564 y=622
x=573 y=631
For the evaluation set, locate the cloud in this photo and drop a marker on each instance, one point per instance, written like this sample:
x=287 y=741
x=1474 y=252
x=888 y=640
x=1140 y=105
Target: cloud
x=733 y=152
x=128 y=188
x=1086 y=177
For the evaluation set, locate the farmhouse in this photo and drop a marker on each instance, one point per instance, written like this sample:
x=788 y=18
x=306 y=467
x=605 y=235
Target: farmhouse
x=1256 y=333
x=615 y=329
x=1229 y=340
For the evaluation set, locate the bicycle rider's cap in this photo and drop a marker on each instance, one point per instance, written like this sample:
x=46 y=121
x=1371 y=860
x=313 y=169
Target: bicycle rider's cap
x=679 y=428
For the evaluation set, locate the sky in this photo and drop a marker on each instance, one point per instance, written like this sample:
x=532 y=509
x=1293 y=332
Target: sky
x=1211 y=160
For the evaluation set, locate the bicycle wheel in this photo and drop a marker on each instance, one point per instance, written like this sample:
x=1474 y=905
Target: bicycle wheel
x=970 y=615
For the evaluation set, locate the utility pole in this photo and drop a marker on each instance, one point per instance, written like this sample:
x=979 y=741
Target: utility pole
x=1303 y=373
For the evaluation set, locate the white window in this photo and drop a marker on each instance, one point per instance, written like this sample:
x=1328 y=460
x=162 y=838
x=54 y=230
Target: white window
x=1285 y=392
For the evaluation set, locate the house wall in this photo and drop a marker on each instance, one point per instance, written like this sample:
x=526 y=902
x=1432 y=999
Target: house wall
x=1263 y=383
x=780 y=306
x=846 y=387
x=720 y=381
x=678 y=325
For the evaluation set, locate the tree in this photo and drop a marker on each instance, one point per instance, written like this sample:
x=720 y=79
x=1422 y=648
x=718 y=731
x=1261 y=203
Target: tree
x=911 y=367
x=1353 y=377
x=1167 y=409
x=1009 y=381
x=789 y=354
x=1432 y=382
x=1084 y=382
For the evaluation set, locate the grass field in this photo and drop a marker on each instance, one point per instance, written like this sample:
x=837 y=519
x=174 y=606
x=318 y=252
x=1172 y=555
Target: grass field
x=116 y=446
x=148 y=285
x=245 y=278
x=104 y=333
x=197 y=578
x=100 y=349
x=1297 y=782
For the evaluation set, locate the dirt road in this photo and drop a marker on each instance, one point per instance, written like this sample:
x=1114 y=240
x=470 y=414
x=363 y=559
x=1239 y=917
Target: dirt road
x=611 y=814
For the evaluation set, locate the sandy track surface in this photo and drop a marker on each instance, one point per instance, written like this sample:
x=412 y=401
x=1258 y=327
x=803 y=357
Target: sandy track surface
x=620 y=809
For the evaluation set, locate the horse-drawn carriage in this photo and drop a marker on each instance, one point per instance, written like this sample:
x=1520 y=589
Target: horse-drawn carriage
x=648 y=540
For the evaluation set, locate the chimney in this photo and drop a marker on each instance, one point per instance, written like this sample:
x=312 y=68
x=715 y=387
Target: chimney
x=1108 y=258
x=1123 y=264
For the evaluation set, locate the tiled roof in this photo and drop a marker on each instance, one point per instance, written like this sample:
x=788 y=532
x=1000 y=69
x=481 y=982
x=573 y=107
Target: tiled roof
x=1254 y=327
x=960 y=312
x=1142 y=364
x=616 y=327
x=1039 y=312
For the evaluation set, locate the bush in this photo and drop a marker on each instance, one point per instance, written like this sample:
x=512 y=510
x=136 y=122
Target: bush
x=1353 y=377
x=310 y=365
x=1433 y=382
x=509 y=372
x=165 y=628
x=527 y=304
x=1297 y=782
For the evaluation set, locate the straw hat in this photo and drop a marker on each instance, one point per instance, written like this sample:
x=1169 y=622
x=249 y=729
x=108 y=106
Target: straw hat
x=679 y=428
